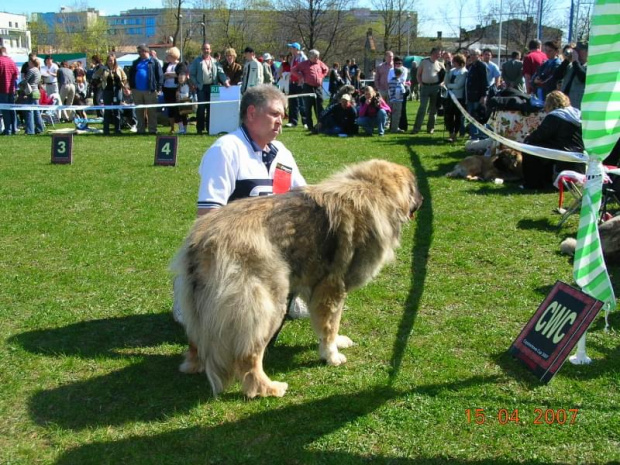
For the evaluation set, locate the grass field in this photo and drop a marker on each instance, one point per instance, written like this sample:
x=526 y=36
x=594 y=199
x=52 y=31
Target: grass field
x=89 y=351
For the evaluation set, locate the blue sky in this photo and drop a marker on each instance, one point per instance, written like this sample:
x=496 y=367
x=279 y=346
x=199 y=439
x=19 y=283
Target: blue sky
x=432 y=12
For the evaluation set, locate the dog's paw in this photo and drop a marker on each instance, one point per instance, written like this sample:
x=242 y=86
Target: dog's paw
x=336 y=359
x=277 y=389
x=344 y=342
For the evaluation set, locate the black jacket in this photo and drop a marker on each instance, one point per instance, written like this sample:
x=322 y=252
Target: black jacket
x=335 y=115
x=557 y=133
x=477 y=82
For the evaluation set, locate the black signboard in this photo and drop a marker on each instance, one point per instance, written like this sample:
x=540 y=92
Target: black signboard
x=166 y=150
x=550 y=335
x=62 y=149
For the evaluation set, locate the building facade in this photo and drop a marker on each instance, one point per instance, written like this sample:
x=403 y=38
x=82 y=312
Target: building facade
x=14 y=34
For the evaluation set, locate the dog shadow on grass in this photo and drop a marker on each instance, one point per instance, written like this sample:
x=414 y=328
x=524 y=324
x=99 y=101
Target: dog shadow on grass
x=422 y=241
x=145 y=388
x=276 y=435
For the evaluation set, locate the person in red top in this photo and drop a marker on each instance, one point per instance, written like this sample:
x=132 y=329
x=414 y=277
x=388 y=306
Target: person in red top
x=532 y=62
x=8 y=77
x=311 y=74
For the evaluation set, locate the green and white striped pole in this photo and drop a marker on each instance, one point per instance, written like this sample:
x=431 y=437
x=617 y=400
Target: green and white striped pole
x=601 y=128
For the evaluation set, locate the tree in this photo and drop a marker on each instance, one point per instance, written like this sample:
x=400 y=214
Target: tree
x=320 y=24
x=393 y=15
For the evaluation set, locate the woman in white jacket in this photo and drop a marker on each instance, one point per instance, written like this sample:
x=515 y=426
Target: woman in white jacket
x=455 y=81
x=252 y=70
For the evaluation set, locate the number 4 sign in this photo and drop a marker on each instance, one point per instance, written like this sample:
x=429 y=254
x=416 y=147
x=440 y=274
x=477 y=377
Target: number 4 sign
x=62 y=149
x=166 y=151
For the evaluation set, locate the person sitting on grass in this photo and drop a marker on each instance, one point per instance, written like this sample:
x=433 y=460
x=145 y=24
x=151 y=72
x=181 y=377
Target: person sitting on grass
x=373 y=112
x=339 y=118
x=560 y=130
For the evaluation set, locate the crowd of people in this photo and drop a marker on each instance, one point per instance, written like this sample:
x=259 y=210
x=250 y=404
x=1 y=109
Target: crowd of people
x=470 y=75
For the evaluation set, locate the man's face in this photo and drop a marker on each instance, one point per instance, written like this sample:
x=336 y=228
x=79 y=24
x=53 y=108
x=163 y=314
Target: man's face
x=345 y=103
x=398 y=64
x=550 y=52
x=583 y=55
x=435 y=55
x=48 y=62
x=143 y=53
x=266 y=123
x=206 y=50
x=389 y=57
x=486 y=56
x=313 y=59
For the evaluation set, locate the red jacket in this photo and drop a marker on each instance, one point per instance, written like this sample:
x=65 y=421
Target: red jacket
x=8 y=75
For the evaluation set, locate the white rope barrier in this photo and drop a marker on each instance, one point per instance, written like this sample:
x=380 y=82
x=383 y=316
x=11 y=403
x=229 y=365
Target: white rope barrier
x=526 y=148
x=30 y=107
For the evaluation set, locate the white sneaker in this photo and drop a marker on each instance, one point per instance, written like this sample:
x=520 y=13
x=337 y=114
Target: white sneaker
x=297 y=309
x=133 y=129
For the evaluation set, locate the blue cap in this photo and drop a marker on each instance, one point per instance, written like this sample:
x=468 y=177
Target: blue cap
x=294 y=45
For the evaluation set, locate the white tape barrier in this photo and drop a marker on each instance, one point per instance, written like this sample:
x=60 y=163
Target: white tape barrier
x=26 y=107
x=531 y=149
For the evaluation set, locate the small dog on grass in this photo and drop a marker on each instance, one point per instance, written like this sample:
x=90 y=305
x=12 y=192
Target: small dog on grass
x=505 y=165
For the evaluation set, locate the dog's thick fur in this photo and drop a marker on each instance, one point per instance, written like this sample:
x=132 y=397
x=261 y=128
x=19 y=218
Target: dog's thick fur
x=505 y=165
x=609 y=232
x=239 y=264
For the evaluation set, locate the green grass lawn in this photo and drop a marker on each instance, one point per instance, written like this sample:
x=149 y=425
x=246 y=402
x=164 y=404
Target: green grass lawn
x=89 y=351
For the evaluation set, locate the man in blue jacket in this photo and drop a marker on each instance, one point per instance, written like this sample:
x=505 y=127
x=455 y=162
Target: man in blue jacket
x=145 y=80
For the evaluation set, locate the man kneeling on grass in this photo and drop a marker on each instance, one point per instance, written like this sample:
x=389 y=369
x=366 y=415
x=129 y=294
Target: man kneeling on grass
x=339 y=118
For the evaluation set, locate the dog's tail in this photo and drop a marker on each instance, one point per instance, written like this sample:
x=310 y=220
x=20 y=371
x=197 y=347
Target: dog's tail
x=192 y=316
x=568 y=246
x=230 y=315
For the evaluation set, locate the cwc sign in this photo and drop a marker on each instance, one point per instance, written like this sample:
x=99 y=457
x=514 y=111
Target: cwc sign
x=555 y=328
x=553 y=321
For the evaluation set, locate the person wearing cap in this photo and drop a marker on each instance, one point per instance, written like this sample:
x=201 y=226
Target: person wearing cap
x=253 y=71
x=49 y=73
x=267 y=71
x=339 y=117
x=205 y=72
x=146 y=78
x=574 y=83
x=295 y=105
x=311 y=74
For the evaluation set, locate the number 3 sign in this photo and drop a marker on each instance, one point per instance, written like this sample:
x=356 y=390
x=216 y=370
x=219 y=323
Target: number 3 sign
x=62 y=149
x=166 y=151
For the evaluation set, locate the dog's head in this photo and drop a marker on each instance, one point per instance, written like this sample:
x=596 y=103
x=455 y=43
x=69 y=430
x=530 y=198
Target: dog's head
x=509 y=160
x=394 y=183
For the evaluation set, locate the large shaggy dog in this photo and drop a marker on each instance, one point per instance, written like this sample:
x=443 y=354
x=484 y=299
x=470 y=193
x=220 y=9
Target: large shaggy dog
x=240 y=263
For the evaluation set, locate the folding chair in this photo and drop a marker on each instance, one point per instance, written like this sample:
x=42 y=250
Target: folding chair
x=51 y=116
x=571 y=182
